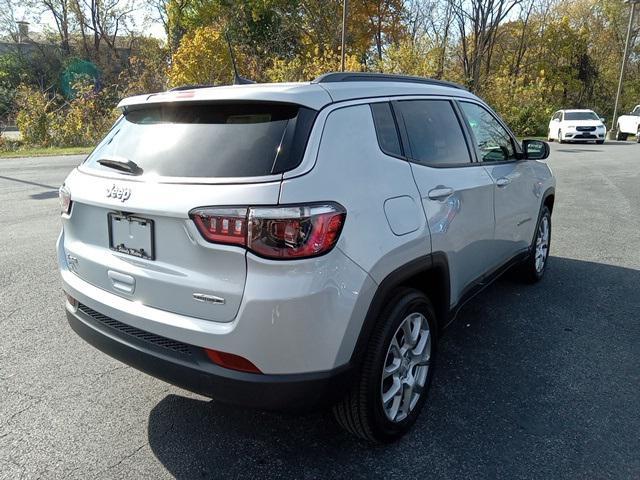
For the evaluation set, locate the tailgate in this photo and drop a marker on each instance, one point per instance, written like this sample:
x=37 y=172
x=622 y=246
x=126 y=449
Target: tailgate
x=186 y=275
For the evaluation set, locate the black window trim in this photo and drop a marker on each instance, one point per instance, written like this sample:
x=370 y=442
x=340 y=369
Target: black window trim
x=404 y=137
x=403 y=150
x=517 y=148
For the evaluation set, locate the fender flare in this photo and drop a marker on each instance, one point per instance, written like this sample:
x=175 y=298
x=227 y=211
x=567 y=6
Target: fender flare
x=424 y=264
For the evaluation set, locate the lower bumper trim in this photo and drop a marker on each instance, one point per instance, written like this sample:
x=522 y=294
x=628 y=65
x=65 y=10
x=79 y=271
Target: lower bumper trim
x=194 y=372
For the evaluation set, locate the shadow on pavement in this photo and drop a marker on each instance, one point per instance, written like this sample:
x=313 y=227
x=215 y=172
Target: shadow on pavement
x=44 y=195
x=533 y=382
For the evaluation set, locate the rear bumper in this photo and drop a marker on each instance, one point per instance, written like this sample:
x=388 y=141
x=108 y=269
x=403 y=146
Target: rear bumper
x=187 y=366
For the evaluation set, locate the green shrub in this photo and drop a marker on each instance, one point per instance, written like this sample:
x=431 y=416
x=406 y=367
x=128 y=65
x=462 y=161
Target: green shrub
x=84 y=120
x=34 y=116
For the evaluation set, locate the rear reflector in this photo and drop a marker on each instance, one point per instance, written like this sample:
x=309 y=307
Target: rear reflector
x=287 y=232
x=231 y=361
x=73 y=303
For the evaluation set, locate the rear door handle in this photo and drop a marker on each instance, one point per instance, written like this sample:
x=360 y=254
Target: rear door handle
x=503 y=182
x=440 y=192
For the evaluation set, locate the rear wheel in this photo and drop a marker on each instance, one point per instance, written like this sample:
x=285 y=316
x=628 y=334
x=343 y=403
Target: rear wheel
x=391 y=389
x=549 y=137
x=533 y=268
x=621 y=137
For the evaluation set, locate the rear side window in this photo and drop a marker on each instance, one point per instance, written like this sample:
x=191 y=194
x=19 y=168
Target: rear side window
x=386 y=129
x=434 y=132
x=209 y=140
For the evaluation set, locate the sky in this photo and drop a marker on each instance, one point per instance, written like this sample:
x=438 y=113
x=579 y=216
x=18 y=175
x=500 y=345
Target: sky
x=142 y=18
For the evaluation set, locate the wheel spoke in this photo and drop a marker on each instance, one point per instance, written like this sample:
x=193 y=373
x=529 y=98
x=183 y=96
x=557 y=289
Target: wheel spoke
x=392 y=369
x=395 y=388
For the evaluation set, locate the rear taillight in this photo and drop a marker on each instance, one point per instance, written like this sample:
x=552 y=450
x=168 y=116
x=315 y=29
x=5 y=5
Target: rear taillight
x=222 y=225
x=288 y=232
x=65 y=200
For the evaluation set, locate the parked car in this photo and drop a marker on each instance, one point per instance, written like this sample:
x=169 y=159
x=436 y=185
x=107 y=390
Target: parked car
x=293 y=246
x=629 y=125
x=576 y=125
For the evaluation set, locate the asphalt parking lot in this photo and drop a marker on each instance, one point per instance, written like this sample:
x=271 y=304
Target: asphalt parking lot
x=533 y=382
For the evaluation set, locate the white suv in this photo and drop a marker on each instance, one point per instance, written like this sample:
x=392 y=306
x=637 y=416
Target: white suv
x=577 y=125
x=291 y=246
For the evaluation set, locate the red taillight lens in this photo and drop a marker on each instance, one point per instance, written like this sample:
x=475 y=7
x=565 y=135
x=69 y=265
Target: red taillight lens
x=229 y=360
x=222 y=225
x=64 y=195
x=289 y=232
x=294 y=232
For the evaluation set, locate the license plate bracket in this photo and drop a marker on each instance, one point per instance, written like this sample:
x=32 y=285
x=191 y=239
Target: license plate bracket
x=131 y=235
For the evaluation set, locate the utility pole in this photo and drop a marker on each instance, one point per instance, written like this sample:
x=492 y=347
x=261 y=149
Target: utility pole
x=624 y=61
x=345 y=5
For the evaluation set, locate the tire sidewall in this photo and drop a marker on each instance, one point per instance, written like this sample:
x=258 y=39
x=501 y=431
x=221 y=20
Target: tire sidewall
x=538 y=275
x=412 y=301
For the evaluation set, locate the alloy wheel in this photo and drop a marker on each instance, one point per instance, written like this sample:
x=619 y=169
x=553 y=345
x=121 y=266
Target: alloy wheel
x=406 y=366
x=542 y=244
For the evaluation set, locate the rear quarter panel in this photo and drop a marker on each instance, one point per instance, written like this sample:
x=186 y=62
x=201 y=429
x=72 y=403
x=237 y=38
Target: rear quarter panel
x=352 y=170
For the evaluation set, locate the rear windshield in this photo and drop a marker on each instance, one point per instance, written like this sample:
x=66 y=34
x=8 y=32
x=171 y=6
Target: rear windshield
x=208 y=140
x=580 y=116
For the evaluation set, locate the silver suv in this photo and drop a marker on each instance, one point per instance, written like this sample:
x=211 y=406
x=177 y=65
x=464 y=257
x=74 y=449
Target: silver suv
x=292 y=246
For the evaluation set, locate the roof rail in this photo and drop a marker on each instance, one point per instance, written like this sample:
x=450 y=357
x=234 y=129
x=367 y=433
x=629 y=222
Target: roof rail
x=190 y=87
x=381 y=77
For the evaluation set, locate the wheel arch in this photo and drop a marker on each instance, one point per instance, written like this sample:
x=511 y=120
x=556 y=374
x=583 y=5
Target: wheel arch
x=429 y=274
x=548 y=199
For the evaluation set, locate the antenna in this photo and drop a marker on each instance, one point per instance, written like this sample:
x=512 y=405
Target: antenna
x=237 y=79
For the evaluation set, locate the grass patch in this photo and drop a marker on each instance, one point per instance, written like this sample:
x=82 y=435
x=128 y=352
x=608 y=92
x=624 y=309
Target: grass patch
x=43 y=152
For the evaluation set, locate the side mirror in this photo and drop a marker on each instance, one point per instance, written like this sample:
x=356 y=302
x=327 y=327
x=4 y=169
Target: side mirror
x=603 y=120
x=535 y=149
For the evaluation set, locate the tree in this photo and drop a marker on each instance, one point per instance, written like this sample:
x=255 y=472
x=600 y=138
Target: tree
x=478 y=22
x=202 y=58
x=61 y=12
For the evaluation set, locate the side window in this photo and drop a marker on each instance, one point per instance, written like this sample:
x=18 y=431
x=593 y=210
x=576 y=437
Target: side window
x=386 y=130
x=636 y=111
x=493 y=142
x=434 y=132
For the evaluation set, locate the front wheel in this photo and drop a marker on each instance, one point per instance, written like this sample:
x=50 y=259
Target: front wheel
x=560 y=140
x=600 y=142
x=391 y=388
x=638 y=135
x=533 y=268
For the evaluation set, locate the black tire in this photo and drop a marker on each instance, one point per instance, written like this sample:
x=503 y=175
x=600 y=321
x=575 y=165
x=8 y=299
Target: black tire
x=638 y=135
x=549 y=138
x=361 y=412
x=560 y=140
x=621 y=137
x=600 y=142
x=528 y=271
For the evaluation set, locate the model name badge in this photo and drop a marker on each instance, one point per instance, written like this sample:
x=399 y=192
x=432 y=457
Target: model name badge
x=121 y=193
x=201 y=297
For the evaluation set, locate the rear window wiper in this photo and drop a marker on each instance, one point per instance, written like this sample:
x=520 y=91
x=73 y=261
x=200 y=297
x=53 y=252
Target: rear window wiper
x=121 y=164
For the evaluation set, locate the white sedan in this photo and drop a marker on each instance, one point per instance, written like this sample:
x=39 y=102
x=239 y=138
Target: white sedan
x=577 y=125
